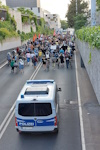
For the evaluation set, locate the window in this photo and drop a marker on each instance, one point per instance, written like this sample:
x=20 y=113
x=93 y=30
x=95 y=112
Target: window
x=38 y=10
x=34 y=109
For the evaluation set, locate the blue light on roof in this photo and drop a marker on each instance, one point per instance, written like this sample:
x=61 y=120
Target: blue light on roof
x=22 y=96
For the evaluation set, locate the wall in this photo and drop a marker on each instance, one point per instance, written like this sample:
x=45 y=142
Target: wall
x=7 y=45
x=98 y=18
x=35 y=11
x=10 y=43
x=21 y=3
x=26 y=28
x=93 y=69
x=17 y=17
x=34 y=28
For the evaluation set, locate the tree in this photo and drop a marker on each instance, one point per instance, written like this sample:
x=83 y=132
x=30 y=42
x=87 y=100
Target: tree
x=64 y=24
x=98 y=4
x=79 y=21
x=82 y=8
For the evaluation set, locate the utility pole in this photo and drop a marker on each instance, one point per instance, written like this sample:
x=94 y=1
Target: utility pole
x=76 y=7
x=93 y=12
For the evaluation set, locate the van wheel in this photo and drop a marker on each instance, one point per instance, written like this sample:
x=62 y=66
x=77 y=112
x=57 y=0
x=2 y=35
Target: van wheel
x=56 y=130
x=18 y=131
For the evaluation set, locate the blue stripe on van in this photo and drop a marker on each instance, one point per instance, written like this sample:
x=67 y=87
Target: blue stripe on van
x=38 y=122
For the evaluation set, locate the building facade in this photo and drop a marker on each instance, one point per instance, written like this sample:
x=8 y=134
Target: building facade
x=23 y=3
x=53 y=20
x=33 y=5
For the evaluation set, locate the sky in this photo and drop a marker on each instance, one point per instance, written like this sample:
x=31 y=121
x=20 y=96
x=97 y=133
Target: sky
x=56 y=6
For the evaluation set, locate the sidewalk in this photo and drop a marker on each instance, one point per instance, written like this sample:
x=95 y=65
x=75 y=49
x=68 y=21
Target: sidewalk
x=90 y=108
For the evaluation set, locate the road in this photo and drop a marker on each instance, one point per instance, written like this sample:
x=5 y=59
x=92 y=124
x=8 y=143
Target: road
x=69 y=136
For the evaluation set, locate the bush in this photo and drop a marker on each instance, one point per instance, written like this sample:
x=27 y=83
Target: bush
x=4 y=33
x=7 y=25
x=90 y=35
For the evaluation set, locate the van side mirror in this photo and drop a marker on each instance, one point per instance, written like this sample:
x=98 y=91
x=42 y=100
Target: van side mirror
x=59 y=89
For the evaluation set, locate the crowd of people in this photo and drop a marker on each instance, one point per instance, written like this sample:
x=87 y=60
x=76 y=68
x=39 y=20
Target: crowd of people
x=49 y=50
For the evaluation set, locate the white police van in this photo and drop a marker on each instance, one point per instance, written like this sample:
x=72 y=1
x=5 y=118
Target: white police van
x=37 y=107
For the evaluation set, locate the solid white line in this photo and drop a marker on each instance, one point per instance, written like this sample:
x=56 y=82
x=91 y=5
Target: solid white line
x=6 y=121
x=6 y=118
x=10 y=111
x=80 y=108
x=3 y=65
x=35 y=71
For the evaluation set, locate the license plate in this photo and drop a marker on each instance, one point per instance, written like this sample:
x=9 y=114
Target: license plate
x=27 y=128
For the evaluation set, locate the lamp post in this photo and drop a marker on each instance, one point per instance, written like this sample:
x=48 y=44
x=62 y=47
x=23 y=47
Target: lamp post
x=93 y=12
x=76 y=7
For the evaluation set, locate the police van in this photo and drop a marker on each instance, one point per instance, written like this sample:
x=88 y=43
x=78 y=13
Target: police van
x=36 y=107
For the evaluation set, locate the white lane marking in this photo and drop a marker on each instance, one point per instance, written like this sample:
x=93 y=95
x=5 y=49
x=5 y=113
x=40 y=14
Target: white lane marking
x=6 y=125
x=80 y=108
x=40 y=64
x=4 y=121
x=7 y=119
x=3 y=65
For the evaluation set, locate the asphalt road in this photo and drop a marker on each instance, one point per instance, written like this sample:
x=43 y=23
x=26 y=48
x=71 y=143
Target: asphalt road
x=69 y=129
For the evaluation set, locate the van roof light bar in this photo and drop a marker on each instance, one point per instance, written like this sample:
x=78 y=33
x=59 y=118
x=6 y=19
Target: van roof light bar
x=39 y=81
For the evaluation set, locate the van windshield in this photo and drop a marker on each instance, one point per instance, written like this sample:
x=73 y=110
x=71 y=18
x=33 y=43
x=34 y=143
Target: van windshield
x=34 y=109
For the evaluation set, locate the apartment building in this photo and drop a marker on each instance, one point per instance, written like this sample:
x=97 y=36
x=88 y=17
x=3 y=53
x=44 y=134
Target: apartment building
x=53 y=20
x=33 y=5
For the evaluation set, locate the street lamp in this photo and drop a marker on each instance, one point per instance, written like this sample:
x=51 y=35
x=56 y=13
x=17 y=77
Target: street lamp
x=76 y=7
x=93 y=12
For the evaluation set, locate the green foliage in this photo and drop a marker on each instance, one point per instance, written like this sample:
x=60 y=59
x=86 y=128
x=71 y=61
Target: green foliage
x=90 y=58
x=3 y=6
x=90 y=35
x=79 y=21
x=64 y=24
x=31 y=29
x=25 y=19
x=26 y=36
x=42 y=22
x=4 y=33
x=11 y=21
x=98 y=4
x=18 y=31
x=82 y=8
x=7 y=25
x=28 y=12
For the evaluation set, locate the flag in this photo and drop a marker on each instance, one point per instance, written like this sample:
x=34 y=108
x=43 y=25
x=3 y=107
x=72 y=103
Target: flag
x=54 y=33
x=33 y=38
x=39 y=35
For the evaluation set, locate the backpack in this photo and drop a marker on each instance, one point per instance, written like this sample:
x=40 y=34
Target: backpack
x=34 y=59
